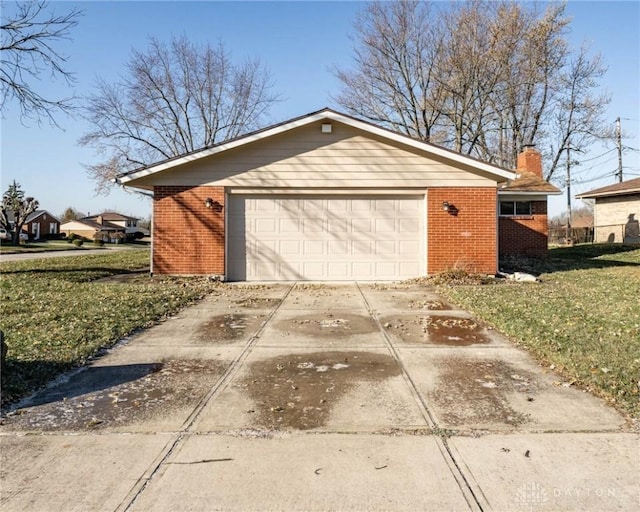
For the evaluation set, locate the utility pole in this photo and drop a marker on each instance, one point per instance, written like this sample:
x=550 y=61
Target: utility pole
x=568 y=237
x=619 y=144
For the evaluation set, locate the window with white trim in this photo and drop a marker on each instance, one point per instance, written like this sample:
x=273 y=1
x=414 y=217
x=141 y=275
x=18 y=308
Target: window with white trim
x=514 y=208
x=53 y=228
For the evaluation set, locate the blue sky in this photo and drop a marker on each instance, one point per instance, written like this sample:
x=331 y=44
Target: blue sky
x=299 y=42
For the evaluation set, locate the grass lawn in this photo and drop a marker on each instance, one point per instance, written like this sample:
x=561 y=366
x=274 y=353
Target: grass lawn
x=584 y=318
x=56 y=245
x=56 y=313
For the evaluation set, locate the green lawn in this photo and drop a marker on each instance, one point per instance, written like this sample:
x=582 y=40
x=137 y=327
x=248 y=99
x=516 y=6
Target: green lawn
x=57 y=245
x=584 y=318
x=56 y=313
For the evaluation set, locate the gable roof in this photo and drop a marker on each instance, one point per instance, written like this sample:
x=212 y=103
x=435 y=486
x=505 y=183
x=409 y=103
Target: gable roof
x=32 y=216
x=105 y=226
x=499 y=173
x=111 y=216
x=618 y=189
x=528 y=182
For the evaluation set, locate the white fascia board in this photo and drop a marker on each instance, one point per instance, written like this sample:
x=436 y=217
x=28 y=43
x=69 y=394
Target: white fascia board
x=334 y=116
x=222 y=147
x=627 y=192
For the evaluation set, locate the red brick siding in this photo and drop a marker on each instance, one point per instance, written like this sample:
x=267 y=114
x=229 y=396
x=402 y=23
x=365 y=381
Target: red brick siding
x=466 y=240
x=188 y=237
x=525 y=235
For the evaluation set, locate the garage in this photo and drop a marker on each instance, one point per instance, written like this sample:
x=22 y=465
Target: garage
x=328 y=237
x=324 y=197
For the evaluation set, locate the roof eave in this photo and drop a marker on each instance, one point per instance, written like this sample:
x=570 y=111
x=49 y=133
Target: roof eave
x=588 y=195
x=530 y=192
x=303 y=121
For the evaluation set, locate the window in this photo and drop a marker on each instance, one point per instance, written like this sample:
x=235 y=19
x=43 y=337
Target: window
x=510 y=208
x=34 y=229
x=53 y=228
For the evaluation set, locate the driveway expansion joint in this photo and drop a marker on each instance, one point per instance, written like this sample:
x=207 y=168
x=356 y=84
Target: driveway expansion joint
x=226 y=377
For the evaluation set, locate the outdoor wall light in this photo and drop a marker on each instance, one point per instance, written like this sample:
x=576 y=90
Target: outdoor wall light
x=449 y=208
x=213 y=205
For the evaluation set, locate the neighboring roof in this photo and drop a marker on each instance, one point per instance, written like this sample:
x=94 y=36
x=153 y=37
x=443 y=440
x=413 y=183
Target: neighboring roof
x=529 y=183
x=111 y=216
x=38 y=213
x=313 y=117
x=32 y=216
x=619 y=189
x=105 y=226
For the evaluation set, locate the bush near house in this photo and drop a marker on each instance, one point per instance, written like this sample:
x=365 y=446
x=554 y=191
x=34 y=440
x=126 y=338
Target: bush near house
x=56 y=313
x=583 y=319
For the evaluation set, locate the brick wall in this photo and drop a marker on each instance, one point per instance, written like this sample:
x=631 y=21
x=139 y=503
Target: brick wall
x=188 y=237
x=466 y=240
x=525 y=235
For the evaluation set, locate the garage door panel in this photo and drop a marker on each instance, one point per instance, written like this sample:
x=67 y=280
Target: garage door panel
x=362 y=248
x=325 y=237
x=289 y=247
x=388 y=247
x=337 y=225
x=408 y=247
x=409 y=226
x=363 y=269
x=312 y=247
x=338 y=270
x=337 y=247
x=290 y=226
x=313 y=225
x=386 y=269
x=361 y=225
x=385 y=225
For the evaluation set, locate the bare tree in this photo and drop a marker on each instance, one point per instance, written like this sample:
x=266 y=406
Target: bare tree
x=578 y=120
x=396 y=80
x=174 y=98
x=28 y=39
x=17 y=207
x=483 y=78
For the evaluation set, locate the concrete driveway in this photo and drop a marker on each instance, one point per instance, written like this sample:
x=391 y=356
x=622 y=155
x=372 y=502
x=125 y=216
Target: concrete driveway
x=317 y=397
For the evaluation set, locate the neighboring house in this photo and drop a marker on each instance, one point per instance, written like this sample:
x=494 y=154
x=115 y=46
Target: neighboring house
x=129 y=223
x=522 y=209
x=330 y=197
x=616 y=212
x=39 y=224
x=87 y=228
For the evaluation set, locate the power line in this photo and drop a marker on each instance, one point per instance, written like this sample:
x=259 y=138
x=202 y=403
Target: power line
x=582 y=171
x=599 y=156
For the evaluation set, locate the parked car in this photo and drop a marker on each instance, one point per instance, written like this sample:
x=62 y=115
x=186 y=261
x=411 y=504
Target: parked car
x=7 y=235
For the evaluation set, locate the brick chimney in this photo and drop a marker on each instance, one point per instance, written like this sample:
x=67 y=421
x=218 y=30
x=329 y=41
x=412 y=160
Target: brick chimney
x=530 y=160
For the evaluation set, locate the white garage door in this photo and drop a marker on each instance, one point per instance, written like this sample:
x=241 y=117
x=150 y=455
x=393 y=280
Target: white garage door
x=329 y=238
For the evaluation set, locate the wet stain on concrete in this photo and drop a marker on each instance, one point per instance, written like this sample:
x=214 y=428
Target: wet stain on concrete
x=114 y=396
x=230 y=327
x=257 y=302
x=299 y=391
x=432 y=305
x=474 y=393
x=436 y=330
x=328 y=325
